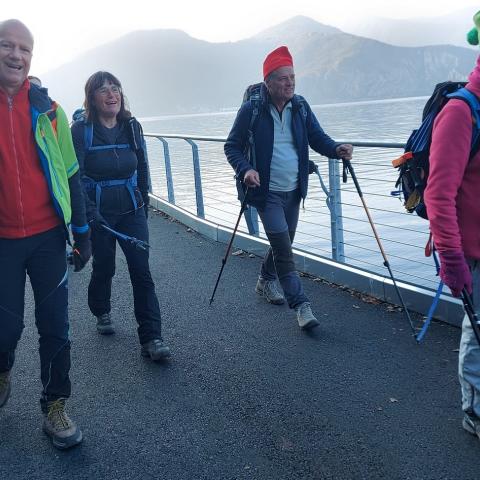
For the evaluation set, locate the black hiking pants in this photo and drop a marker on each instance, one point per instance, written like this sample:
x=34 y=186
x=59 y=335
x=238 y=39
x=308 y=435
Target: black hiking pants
x=43 y=258
x=146 y=307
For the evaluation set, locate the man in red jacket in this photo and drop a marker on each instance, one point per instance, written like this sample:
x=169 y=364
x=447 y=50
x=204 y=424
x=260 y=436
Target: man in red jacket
x=453 y=209
x=40 y=196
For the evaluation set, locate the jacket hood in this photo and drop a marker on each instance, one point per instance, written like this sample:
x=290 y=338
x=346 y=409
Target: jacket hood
x=39 y=98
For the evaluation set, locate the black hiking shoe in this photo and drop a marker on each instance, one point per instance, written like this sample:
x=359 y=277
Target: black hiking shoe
x=58 y=426
x=105 y=324
x=5 y=387
x=269 y=290
x=471 y=423
x=155 y=349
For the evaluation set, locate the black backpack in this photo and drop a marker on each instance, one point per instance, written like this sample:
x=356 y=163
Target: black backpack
x=414 y=164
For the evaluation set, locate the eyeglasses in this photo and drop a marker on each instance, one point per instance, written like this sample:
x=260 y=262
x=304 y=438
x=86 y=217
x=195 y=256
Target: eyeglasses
x=106 y=90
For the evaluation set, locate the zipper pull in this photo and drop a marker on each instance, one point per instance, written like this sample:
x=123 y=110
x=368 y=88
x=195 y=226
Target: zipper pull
x=10 y=103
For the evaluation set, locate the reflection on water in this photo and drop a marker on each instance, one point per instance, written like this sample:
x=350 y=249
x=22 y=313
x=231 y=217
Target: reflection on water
x=385 y=121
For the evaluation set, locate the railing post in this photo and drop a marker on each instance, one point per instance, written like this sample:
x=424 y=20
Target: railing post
x=198 y=178
x=168 y=171
x=336 y=222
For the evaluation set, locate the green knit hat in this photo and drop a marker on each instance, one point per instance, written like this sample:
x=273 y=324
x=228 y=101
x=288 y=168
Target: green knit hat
x=474 y=33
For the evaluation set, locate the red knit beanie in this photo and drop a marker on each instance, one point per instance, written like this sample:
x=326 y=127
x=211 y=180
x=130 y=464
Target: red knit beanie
x=280 y=57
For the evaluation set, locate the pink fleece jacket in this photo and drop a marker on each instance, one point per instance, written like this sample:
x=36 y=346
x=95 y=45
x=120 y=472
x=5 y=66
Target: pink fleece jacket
x=452 y=195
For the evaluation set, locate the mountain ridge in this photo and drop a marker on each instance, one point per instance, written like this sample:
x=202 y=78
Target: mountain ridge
x=169 y=72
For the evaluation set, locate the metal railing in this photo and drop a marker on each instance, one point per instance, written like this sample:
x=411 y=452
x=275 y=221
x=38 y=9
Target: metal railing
x=333 y=224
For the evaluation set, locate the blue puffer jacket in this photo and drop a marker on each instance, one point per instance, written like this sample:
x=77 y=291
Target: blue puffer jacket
x=306 y=131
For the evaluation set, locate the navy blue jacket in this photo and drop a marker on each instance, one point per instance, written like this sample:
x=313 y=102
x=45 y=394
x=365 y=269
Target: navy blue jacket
x=306 y=131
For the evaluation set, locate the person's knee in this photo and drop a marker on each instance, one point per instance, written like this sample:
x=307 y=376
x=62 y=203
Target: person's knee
x=103 y=272
x=282 y=252
x=140 y=274
x=11 y=333
x=51 y=316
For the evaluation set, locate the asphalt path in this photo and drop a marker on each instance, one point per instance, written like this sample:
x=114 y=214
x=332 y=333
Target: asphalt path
x=246 y=394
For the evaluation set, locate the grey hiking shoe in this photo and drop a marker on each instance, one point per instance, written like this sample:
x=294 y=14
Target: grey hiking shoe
x=105 y=324
x=58 y=426
x=155 y=349
x=471 y=423
x=5 y=387
x=269 y=290
x=305 y=318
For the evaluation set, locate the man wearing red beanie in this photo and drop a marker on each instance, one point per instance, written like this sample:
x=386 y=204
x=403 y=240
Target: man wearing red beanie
x=270 y=157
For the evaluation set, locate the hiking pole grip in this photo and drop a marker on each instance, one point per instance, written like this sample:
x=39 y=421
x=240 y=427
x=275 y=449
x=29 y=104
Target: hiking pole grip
x=224 y=259
x=471 y=314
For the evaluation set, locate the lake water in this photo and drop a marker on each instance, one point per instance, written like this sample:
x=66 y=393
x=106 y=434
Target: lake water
x=403 y=235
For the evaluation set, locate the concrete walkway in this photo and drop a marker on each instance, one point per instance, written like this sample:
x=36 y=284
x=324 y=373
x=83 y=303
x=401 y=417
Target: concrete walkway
x=246 y=395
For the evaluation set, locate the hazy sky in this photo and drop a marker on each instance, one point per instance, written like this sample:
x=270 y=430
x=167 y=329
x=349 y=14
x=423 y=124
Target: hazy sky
x=65 y=28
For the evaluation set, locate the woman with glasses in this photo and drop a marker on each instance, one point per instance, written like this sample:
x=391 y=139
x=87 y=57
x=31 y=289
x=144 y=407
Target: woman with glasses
x=113 y=162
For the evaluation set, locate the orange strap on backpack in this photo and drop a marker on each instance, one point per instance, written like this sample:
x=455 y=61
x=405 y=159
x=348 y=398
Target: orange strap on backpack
x=401 y=160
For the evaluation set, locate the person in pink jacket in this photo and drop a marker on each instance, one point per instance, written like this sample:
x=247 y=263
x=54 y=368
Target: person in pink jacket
x=453 y=206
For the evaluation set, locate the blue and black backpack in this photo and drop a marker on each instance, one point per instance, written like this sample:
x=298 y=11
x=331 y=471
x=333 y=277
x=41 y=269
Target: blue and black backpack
x=414 y=164
x=136 y=143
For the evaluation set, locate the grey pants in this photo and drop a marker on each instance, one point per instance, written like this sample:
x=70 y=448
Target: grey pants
x=469 y=355
x=280 y=218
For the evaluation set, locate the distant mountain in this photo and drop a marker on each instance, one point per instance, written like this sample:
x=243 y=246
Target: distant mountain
x=296 y=27
x=167 y=71
x=449 y=29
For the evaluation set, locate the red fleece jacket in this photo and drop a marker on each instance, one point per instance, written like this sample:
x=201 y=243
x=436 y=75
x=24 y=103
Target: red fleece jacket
x=25 y=203
x=452 y=195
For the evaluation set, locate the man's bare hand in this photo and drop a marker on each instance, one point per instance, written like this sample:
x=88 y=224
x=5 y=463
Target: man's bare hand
x=252 y=179
x=345 y=151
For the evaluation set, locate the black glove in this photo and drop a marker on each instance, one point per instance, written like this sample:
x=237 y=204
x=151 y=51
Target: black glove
x=82 y=249
x=146 y=202
x=312 y=167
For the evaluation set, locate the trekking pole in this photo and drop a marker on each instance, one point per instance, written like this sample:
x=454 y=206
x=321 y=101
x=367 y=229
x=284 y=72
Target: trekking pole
x=347 y=165
x=472 y=315
x=224 y=259
x=434 y=304
x=139 y=244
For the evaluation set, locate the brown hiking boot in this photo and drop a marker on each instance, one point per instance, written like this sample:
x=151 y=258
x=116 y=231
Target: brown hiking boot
x=5 y=387
x=58 y=426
